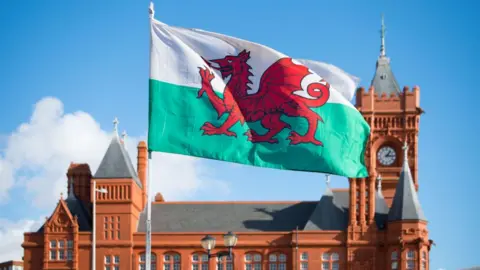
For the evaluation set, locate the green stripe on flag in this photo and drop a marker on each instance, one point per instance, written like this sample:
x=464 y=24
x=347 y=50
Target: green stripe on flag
x=176 y=115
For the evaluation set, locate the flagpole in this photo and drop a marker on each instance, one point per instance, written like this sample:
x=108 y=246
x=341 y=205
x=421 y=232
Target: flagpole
x=148 y=222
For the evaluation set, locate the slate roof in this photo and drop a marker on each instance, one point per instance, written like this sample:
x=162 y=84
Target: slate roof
x=229 y=216
x=384 y=81
x=405 y=204
x=79 y=209
x=329 y=213
x=116 y=163
x=381 y=209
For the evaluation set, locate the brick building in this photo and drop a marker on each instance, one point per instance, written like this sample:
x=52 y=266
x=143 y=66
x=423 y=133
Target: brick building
x=11 y=265
x=376 y=223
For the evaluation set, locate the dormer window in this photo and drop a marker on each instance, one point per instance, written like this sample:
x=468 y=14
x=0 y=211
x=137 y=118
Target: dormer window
x=383 y=76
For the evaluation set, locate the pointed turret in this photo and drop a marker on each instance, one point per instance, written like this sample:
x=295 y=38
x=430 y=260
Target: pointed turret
x=116 y=163
x=384 y=81
x=381 y=207
x=405 y=205
x=328 y=214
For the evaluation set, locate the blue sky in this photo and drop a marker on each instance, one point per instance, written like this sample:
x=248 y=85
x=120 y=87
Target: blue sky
x=93 y=57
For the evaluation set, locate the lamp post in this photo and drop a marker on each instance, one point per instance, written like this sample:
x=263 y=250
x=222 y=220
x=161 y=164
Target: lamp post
x=229 y=240
x=94 y=236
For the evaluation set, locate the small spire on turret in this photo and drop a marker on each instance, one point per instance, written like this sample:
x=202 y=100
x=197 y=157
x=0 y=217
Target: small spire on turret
x=115 y=125
x=405 y=152
x=379 y=182
x=151 y=10
x=124 y=137
x=327 y=180
x=382 y=37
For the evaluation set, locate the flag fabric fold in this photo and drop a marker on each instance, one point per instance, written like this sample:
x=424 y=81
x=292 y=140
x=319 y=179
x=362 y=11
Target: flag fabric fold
x=220 y=97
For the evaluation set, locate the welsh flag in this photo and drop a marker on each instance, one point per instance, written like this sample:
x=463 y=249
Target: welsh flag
x=219 y=97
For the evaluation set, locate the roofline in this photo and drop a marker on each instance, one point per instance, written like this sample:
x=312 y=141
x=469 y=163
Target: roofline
x=232 y=202
x=202 y=233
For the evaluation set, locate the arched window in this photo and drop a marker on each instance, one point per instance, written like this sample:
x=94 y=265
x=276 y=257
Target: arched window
x=330 y=261
x=410 y=259
x=277 y=261
x=171 y=261
x=253 y=261
x=394 y=260
x=199 y=261
x=304 y=261
x=424 y=261
x=224 y=263
x=142 y=259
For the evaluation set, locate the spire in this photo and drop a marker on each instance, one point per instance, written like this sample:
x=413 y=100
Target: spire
x=328 y=214
x=124 y=137
x=383 y=80
x=382 y=37
x=379 y=183
x=115 y=126
x=405 y=205
x=116 y=163
x=151 y=10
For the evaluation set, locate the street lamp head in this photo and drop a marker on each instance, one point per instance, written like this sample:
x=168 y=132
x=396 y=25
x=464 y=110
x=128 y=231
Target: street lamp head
x=230 y=239
x=208 y=243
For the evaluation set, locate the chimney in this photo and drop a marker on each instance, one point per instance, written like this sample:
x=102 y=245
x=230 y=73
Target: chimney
x=142 y=168
x=81 y=175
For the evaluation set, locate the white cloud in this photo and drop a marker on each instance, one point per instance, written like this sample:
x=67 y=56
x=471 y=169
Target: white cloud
x=11 y=237
x=37 y=155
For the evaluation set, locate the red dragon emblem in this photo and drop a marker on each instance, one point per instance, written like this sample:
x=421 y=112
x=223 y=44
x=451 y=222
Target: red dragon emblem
x=274 y=98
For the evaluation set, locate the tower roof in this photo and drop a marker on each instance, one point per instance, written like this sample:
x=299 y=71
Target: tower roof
x=116 y=163
x=405 y=205
x=328 y=214
x=384 y=81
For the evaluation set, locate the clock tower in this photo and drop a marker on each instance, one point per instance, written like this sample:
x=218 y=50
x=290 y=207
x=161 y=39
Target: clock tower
x=394 y=116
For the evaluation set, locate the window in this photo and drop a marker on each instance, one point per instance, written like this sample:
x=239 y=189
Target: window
x=410 y=259
x=53 y=254
x=253 y=261
x=330 y=261
x=304 y=261
x=394 y=260
x=224 y=263
x=60 y=251
x=111 y=228
x=277 y=261
x=142 y=260
x=423 y=265
x=112 y=262
x=199 y=261
x=171 y=261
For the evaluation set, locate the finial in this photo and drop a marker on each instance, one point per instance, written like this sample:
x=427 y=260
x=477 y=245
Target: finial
x=327 y=179
x=382 y=36
x=115 y=125
x=61 y=195
x=151 y=10
x=124 y=137
x=405 y=151
x=379 y=182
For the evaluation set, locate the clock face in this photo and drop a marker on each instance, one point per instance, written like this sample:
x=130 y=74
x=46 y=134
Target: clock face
x=386 y=155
